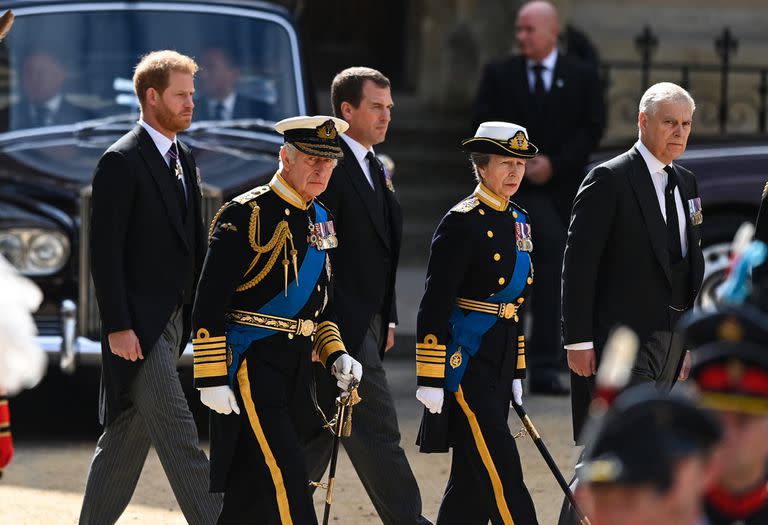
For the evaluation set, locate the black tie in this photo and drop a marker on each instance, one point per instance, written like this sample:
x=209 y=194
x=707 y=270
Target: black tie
x=218 y=111
x=176 y=172
x=376 y=171
x=538 y=80
x=673 y=226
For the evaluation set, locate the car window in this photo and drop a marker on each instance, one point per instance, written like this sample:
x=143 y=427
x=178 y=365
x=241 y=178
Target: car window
x=60 y=68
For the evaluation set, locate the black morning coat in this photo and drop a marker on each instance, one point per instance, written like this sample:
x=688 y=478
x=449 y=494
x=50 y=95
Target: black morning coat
x=146 y=255
x=365 y=262
x=616 y=267
x=760 y=274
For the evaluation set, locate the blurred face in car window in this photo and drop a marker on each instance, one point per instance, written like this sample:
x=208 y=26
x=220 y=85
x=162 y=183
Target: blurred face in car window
x=307 y=174
x=170 y=112
x=42 y=77
x=218 y=75
x=665 y=131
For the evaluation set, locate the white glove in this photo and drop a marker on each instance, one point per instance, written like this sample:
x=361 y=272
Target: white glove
x=517 y=391
x=220 y=399
x=431 y=397
x=346 y=368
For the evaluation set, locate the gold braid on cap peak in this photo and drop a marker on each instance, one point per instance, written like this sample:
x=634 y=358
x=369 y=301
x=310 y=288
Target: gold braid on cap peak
x=279 y=242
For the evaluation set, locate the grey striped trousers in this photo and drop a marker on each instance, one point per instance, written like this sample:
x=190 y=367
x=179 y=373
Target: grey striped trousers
x=159 y=417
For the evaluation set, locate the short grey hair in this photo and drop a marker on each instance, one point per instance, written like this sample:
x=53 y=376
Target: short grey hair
x=479 y=160
x=664 y=92
x=290 y=151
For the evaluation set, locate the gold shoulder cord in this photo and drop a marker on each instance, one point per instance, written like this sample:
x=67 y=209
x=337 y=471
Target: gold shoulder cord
x=279 y=241
x=214 y=222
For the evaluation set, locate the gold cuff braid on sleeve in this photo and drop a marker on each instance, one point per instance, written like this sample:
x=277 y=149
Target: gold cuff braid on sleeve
x=521 y=352
x=430 y=358
x=210 y=354
x=327 y=341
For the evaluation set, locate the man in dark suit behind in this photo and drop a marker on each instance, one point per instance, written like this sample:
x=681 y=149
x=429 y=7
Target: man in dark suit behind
x=147 y=248
x=43 y=101
x=368 y=222
x=559 y=100
x=633 y=255
x=220 y=100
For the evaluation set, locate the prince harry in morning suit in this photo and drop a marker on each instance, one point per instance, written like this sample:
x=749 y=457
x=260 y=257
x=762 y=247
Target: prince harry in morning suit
x=633 y=255
x=369 y=225
x=559 y=100
x=147 y=249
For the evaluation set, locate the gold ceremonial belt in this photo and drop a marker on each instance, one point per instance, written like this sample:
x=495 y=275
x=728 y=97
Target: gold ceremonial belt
x=305 y=327
x=503 y=310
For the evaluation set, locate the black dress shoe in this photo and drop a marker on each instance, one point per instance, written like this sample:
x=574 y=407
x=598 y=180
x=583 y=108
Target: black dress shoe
x=547 y=382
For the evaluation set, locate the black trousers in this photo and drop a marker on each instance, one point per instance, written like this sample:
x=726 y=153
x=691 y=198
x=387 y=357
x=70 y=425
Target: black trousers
x=268 y=481
x=486 y=479
x=374 y=446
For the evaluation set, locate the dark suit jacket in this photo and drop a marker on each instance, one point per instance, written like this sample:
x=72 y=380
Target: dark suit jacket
x=67 y=113
x=365 y=262
x=567 y=131
x=143 y=253
x=616 y=268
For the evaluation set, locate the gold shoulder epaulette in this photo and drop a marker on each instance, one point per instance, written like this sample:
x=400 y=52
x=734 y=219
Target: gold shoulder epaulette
x=468 y=204
x=249 y=195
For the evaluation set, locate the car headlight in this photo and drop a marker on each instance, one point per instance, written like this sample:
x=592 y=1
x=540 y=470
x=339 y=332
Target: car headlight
x=12 y=248
x=34 y=251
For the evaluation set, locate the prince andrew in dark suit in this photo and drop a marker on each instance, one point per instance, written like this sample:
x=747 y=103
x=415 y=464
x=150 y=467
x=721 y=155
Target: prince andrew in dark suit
x=633 y=255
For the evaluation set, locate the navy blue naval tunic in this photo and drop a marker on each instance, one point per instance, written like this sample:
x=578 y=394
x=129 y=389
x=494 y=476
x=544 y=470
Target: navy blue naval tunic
x=258 y=244
x=474 y=252
x=473 y=256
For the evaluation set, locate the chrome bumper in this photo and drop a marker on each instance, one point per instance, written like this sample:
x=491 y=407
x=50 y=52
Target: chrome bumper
x=72 y=350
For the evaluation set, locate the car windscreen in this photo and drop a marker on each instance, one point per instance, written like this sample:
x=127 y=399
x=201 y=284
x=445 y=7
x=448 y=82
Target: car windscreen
x=63 y=64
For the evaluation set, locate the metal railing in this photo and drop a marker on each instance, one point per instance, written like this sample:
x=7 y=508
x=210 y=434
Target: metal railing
x=723 y=108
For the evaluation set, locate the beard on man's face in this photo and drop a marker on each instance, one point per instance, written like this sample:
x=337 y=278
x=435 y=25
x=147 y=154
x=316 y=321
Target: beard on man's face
x=171 y=121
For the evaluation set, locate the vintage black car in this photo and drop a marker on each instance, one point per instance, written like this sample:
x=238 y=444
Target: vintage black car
x=83 y=54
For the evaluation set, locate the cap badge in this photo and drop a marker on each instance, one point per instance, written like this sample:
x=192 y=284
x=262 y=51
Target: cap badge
x=327 y=130
x=518 y=142
x=730 y=330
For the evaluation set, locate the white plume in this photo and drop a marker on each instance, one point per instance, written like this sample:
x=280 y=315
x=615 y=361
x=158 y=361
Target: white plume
x=22 y=361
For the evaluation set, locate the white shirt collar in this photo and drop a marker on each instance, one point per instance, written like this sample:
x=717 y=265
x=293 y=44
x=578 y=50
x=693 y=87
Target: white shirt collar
x=228 y=102
x=548 y=62
x=654 y=164
x=162 y=142
x=358 y=150
x=53 y=103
